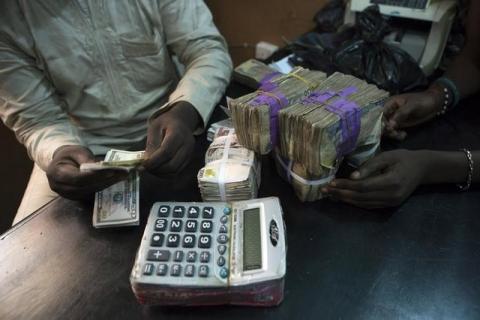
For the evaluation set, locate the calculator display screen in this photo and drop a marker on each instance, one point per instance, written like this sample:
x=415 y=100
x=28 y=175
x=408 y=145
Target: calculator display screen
x=252 y=246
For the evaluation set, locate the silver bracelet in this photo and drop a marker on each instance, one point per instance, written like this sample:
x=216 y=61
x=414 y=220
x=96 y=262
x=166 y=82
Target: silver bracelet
x=466 y=186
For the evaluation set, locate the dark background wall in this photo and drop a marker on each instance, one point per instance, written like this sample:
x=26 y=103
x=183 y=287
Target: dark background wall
x=15 y=168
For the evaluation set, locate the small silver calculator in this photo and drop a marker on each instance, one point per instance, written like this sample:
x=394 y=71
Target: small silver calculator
x=205 y=253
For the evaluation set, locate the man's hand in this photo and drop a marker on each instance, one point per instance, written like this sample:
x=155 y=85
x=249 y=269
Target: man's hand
x=170 y=140
x=410 y=109
x=384 y=181
x=66 y=179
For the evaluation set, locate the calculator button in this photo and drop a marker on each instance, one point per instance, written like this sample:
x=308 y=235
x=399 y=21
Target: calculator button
x=158 y=255
x=227 y=210
x=203 y=271
x=221 y=261
x=204 y=241
x=178 y=256
x=178 y=211
x=222 y=248
x=205 y=256
x=163 y=211
x=162 y=269
x=208 y=212
x=191 y=226
x=224 y=219
x=223 y=229
x=223 y=273
x=157 y=240
x=160 y=224
x=191 y=256
x=188 y=241
x=176 y=225
x=193 y=212
x=189 y=270
x=222 y=238
x=176 y=270
x=148 y=269
x=206 y=226
x=173 y=240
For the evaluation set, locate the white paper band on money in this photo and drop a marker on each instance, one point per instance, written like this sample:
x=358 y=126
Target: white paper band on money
x=291 y=174
x=221 y=175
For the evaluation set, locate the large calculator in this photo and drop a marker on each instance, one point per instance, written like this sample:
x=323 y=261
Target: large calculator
x=206 y=253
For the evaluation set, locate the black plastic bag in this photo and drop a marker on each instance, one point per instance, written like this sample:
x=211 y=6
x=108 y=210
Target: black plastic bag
x=330 y=17
x=366 y=56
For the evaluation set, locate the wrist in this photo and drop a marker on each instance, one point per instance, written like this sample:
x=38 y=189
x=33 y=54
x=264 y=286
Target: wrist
x=437 y=95
x=184 y=112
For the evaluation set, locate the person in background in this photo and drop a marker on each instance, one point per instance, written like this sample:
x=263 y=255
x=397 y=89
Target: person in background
x=78 y=78
x=390 y=177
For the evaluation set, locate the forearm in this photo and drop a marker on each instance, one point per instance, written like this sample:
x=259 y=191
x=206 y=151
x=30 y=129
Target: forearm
x=448 y=166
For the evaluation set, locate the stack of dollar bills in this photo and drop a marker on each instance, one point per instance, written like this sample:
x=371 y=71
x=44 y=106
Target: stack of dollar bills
x=119 y=204
x=231 y=171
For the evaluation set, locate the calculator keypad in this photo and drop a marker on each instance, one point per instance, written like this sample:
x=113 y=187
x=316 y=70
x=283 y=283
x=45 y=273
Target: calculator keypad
x=188 y=241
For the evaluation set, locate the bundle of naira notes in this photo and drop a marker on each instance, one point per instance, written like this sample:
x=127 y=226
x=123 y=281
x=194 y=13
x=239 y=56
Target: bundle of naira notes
x=231 y=172
x=255 y=115
x=312 y=128
x=340 y=119
x=119 y=204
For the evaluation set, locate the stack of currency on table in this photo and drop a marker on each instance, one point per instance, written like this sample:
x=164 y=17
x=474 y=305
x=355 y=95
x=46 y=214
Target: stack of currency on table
x=341 y=118
x=253 y=73
x=255 y=115
x=119 y=204
x=231 y=171
x=214 y=127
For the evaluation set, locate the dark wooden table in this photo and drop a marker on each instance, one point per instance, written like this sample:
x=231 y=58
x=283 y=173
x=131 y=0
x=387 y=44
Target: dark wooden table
x=419 y=261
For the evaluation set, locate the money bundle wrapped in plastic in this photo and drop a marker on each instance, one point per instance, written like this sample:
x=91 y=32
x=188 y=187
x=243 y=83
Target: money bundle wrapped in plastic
x=306 y=186
x=231 y=171
x=214 y=127
x=255 y=115
x=253 y=73
x=341 y=115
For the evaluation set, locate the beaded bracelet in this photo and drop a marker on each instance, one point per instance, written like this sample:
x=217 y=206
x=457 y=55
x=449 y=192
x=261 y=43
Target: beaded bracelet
x=466 y=186
x=450 y=93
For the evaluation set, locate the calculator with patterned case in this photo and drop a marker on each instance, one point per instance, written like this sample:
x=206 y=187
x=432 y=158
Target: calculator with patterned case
x=207 y=253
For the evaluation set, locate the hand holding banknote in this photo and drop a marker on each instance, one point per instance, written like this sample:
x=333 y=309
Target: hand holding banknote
x=170 y=140
x=65 y=177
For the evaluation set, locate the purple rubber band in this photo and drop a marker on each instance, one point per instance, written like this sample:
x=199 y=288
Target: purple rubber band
x=275 y=104
x=349 y=114
x=269 y=77
x=348 y=91
x=322 y=96
x=318 y=97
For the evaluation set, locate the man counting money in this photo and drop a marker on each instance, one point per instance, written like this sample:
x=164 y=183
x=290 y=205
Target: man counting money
x=78 y=78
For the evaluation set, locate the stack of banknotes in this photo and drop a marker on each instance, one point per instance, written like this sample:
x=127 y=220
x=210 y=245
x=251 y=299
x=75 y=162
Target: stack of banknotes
x=231 y=171
x=255 y=115
x=317 y=127
x=119 y=204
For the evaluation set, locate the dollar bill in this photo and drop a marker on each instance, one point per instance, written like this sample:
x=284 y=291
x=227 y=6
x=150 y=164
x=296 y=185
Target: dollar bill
x=118 y=205
x=116 y=160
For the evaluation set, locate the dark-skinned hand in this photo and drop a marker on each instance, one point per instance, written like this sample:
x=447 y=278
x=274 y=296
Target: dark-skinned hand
x=170 y=140
x=384 y=181
x=410 y=109
x=66 y=179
